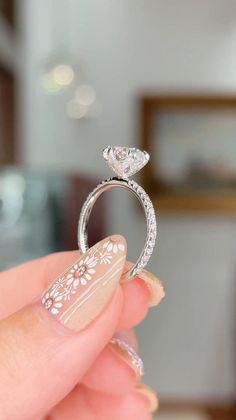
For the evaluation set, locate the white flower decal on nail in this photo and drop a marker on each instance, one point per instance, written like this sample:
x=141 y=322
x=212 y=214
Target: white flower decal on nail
x=110 y=247
x=105 y=258
x=81 y=272
x=114 y=246
x=79 y=275
x=52 y=301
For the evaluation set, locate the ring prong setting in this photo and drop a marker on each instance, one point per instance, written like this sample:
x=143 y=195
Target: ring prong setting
x=125 y=161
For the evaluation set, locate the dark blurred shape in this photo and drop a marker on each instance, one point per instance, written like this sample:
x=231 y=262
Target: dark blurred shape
x=7 y=117
x=7 y=9
x=74 y=203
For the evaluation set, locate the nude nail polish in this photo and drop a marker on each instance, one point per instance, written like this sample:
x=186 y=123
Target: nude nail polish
x=156 y=288
x=127 y=353
x=84 y=289
x=148 y=393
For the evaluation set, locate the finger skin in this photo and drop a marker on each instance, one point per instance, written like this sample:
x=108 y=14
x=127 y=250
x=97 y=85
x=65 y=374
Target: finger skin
x=109 y=373
x=136 y=300
x=23 y=284
x=46 y=359
x=85 y=404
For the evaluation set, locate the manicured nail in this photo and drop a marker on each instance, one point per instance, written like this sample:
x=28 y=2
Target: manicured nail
x=127 y=353
x=156 y=289
x=80 y=294
x=148 y=392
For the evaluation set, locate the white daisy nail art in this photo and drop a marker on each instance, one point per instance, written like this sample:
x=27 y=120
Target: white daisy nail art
x=52 y=302
x=81 y=272
x=79 y=275
x=114 y=246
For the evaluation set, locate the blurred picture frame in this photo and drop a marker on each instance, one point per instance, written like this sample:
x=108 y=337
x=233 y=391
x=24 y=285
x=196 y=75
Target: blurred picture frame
x=7 y=86
x=192 y=143
x=7 y=117
x=7 y=11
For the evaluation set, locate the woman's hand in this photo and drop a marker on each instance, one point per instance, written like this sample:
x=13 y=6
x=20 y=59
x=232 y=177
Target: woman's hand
x=57 y=360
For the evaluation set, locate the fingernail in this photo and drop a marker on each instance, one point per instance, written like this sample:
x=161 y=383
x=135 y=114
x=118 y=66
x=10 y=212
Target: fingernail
x=156 y=288
x=120 y=345
x=148 y=393
x=80 y=294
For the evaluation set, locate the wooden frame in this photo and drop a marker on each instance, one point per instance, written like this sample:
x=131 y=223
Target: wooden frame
x=151 y=108
x=7 y=117
x=7 y=84
x=7 y=10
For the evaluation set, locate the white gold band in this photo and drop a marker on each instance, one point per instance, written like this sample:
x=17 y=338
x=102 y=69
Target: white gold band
x=147 y=206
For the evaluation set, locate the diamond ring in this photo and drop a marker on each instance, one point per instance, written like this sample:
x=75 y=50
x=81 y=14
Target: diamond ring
x=125 y=162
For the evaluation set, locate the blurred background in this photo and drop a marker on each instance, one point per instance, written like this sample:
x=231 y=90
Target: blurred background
x=78 y=75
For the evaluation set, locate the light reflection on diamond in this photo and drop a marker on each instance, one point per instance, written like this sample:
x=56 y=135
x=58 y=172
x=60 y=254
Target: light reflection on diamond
x=125 y=161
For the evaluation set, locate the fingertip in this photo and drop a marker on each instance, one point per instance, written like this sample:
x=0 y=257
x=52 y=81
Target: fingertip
x=110 y=374
x=150 y=396
x=136 y=302
x=155 y=287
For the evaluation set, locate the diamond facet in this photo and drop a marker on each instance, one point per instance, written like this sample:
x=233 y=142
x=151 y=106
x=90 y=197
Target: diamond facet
x=125 y=161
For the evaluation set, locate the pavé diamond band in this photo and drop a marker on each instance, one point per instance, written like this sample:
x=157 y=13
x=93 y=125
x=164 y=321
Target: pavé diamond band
x=125 y=162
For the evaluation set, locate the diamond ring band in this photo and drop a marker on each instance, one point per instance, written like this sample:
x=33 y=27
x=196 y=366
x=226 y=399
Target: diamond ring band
x=125 y=162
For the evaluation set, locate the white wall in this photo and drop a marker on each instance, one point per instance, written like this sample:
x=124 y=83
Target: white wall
x=124 y=48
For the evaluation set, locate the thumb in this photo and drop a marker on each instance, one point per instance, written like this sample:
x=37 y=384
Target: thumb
x=46 y=347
